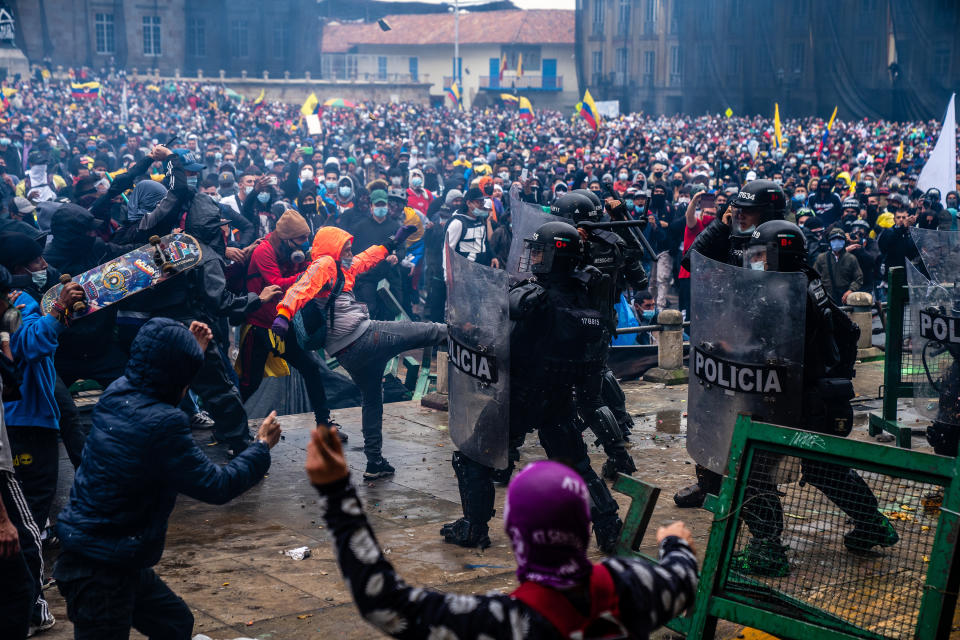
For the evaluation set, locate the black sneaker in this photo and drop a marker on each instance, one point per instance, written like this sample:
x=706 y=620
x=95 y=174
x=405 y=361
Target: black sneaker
x=330 y=423
x=378 y=469
x=464 y=534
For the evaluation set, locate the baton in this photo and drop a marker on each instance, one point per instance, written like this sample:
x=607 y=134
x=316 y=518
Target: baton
x=110 y=180
x=630 y=225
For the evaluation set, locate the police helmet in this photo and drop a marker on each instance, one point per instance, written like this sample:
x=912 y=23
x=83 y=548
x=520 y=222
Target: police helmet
x=594 y=198
x=574 y=206
x=554 y=248
x=762 y=196
x=851 y=203
x=776 y=245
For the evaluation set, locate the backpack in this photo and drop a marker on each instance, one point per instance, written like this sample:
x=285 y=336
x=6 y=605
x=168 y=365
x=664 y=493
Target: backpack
x=603 y=622
x=312 y=322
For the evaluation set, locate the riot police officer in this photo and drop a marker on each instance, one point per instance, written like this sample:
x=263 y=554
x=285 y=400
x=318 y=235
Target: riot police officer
x=723 y=240
x=614 y=257
x=556 y=356
x=830 y=351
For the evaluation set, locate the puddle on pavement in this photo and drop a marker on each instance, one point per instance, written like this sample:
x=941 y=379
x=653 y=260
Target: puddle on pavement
x=671 y=421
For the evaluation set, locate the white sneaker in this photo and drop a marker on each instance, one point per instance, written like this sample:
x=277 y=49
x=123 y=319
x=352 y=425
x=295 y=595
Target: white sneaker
x=201 y=420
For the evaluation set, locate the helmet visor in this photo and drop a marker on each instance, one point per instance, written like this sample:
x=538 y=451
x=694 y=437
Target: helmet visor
x=536 y=257
x=756 y=258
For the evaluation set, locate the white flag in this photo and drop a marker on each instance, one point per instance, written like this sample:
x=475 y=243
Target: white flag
x=941 y=168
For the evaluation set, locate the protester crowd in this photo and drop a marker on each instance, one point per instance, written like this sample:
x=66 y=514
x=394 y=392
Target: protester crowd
x=284 y=215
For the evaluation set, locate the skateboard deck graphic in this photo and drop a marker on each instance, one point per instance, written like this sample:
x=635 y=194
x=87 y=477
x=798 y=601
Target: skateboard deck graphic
x=131 y=273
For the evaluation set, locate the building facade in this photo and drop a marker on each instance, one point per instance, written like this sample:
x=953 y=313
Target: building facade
x=894 y=59
x=538 y=46
x=239 y=36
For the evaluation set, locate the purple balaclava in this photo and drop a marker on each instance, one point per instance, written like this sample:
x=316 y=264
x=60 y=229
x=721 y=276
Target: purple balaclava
x=547 y=516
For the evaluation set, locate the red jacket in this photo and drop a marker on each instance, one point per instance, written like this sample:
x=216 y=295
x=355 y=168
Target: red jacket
x=264 y=269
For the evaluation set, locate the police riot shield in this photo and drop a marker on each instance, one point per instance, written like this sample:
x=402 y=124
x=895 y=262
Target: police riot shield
x=478 y=323
x=935 y=324
x=746 y=353
x=525 y=219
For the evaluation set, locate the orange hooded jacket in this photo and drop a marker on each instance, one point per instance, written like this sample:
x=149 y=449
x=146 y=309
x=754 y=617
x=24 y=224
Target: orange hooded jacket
x=322 y=273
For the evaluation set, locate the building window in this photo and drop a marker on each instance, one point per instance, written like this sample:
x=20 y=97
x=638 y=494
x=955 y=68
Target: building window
x=238 y=39
x=597 y=67
x=381 y=67
x=196 y=37
x=733 y=61
x=796 y=57
x=675 y=66
x=621 y=77
x=650 y=18
x=941 y=60
x=531 y=57
x=598 y=17
x=106 y=42
x=281 y=40
x=675 y=17
x=649 y=67
x=703 y=59
x=623 y=18
x=151 y=36
x=414 y=68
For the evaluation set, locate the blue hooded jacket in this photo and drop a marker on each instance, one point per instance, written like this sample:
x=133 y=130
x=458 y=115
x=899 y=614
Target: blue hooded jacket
x=140 y=454
x=33 y=346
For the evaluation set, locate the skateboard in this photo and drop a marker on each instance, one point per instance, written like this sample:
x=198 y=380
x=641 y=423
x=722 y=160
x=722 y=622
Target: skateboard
x=129 y=274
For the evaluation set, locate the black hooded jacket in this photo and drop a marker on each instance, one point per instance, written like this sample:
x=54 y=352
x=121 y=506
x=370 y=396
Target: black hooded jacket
x=73 y=250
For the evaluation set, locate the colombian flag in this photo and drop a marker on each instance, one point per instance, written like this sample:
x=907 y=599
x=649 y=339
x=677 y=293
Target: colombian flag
x=776 y=125
x=520 y=65
x=526 y=109
x=503 y=65
x=310 y=105
x=587 y=109
x=826 y=134
x=258 y=103
x=454 y=93
x=85 y=89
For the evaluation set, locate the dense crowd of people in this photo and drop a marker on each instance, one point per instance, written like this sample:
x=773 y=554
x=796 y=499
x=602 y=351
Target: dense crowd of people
x=285 y=216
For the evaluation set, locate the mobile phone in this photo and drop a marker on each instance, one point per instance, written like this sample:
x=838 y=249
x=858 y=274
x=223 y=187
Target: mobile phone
x=523 y=174
x=708 y=201
x=272 y=179
x=306 y=151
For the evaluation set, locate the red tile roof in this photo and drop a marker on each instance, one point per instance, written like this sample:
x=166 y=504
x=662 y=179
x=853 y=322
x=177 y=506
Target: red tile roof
x=544 y=26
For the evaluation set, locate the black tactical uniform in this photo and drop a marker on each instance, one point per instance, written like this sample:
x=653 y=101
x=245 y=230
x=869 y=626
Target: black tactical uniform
x=556 y=356
x=830 y=351
x=615 y=258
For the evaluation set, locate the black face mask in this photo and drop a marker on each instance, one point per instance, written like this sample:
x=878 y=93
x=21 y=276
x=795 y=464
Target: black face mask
x=657 y=200
x=308 y=209
x=872 y=210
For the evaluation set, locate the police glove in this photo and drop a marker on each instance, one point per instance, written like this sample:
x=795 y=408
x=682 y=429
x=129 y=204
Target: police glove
x=280 y=327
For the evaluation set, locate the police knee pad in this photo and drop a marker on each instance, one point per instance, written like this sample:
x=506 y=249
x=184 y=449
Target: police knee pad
x=611 y=388
x=944 y=438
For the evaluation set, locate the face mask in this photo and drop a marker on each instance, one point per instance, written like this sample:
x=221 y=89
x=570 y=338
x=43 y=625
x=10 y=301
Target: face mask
x=396 y=180
x=247 y=190
x=5 y=141
x=218 y=156
x=871 y=210
x=836 y=244
x=297 y=256
x=479 y=213
x=623 y=177
x=658 y=200
x=367 y=161
x=345 y=192
x=306 y=174
x=263 y=197
x=330 y=184
x=629 y=203
x=416 y=182
x=504 y=175
x=91 y=148
x=192 y=181
x=757 y=266
x=39 y=278
x=380 y=212
x=346 y=262
x=798 y=198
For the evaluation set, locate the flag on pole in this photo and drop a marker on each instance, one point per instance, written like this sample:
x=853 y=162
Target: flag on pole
x=940 y=172
x=503 y=65
x=506 y=97
x=826 y=134
x=520 y=65
x=900 y=153
x=526 y=109
x=587 y=109
x=310 y=105
x=776 y=125
x=258 y=102
x=454 y=93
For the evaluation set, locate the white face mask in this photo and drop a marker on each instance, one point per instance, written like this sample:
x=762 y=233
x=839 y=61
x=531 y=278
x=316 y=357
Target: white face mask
x=758 y=265
x=346 y=262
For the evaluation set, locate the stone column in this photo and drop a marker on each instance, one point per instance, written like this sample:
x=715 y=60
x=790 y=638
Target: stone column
x=669 y=369
x=862 y=315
